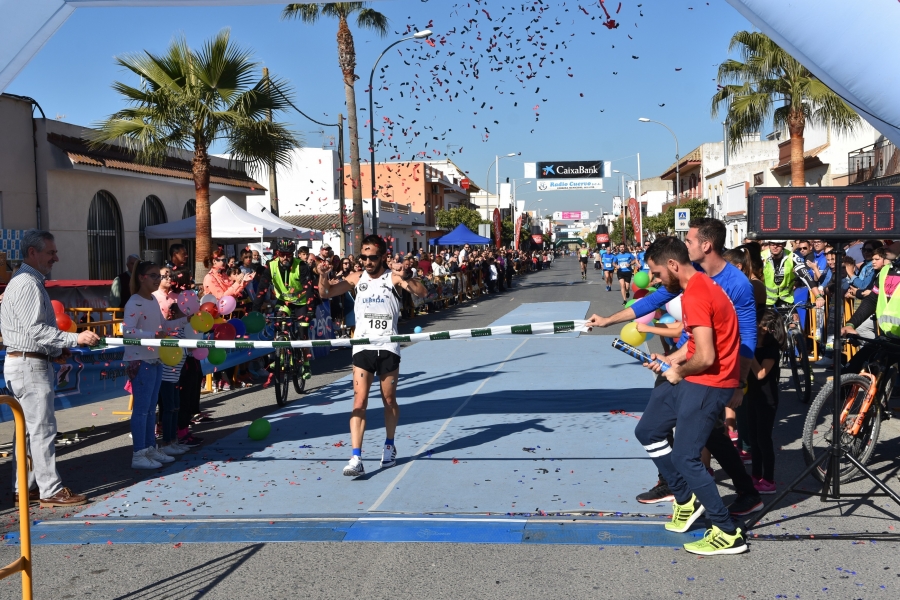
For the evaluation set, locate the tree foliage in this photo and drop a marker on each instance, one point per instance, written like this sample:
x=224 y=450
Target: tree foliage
x=664 y=223
x=449 y=219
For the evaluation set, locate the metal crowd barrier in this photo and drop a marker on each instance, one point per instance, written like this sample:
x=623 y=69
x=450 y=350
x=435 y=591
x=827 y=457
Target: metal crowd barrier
x=23 y=563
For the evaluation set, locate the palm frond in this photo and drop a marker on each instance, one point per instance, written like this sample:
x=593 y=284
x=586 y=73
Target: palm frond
x=369 y=18
x=308 y=12
x=259 y=143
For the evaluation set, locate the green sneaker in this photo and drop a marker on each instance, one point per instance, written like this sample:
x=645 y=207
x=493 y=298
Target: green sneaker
x=684 y=515
x=717 y=541
x=305 y=370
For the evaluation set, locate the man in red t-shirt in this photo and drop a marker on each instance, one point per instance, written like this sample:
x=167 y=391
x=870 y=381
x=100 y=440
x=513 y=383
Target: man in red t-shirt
x=700 y=380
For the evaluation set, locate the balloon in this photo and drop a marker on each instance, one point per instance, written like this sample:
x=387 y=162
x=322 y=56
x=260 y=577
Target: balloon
x=629 y=303
x=646 y=319
x=63 y=322
x=189 y=302
x=224 y=332
x=650 y=290
x=73 y=328
x=58 y=307
x=254 y=322
x=170 y=356
x=219 y=321
x=239 y=328
x=210 y=308
x=259 y=429
x=202 y=321
x=673 y=307
x=641 y=279
x=200 y=353
x=417 y=329
x=208 y=298
x=216 y=356
x=640 y=293
x=649 y=336
x=666 y=319
x=630 y=335
x=226 y=305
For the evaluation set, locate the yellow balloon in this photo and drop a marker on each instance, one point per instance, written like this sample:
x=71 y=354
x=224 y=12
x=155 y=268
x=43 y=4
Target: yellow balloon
x=630 y=335
x=202 y=322
x=170 y=356
x=219 y=320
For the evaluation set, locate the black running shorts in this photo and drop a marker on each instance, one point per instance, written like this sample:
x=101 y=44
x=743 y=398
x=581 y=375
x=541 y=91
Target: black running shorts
x=380 y=362
x=626 y=275
x=584 y=259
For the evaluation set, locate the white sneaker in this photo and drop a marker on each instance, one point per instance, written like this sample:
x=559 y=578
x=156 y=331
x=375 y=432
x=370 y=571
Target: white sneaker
x=388 y=456
x=180 y=446
x=141 y=460
x=173 y=449
x=161 y=457
x=355 y=467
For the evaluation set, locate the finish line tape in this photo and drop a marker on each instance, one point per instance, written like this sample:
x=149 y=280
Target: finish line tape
x=456 y=334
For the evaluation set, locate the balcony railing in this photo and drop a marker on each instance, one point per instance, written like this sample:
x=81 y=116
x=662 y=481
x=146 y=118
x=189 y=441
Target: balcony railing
x=873 y=162
x=393 y=207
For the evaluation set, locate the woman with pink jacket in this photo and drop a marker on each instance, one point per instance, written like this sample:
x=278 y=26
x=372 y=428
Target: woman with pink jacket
x=218 y=283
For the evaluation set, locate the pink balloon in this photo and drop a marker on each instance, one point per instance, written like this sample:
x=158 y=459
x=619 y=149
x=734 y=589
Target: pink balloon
x=200 y=353
x=646 y=319
x=226 y=305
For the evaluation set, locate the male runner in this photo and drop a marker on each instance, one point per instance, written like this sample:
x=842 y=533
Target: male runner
x=705 y=242
x=583 y=253
x=700 y=381
x=608 y=259
x=625 y=262
x=376 y=309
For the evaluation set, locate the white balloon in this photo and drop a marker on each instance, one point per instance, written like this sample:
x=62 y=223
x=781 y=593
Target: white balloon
x=208 y=298
x=673 y=307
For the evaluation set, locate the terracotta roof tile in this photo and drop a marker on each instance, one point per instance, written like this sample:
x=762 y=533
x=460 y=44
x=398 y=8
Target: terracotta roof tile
x=812 y=153
x=116 y=157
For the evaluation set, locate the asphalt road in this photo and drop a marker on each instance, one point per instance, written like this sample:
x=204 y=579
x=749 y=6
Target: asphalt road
x=805 y=549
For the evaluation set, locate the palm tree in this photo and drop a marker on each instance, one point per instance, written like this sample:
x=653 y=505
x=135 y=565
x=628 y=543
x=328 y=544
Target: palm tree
x=366 y=18
x=751 y=89
x=193 y=99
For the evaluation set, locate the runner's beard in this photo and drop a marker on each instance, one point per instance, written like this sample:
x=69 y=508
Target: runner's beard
x=673 y=286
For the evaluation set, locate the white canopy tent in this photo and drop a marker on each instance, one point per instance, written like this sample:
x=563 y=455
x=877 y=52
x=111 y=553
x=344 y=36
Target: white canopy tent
x=301 y=233
x=230 y=221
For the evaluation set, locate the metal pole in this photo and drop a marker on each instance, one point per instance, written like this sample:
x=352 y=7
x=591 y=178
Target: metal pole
x=638 y=194
x=273 y=181
x=624 y=234
x=496 y=182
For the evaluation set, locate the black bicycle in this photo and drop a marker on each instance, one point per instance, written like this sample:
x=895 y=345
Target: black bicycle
x=289 y=363
x=796 y=352
x=864 y=404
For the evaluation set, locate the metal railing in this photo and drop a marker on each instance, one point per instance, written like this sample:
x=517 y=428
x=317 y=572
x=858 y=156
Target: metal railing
x=23 y=563
x=874 y=161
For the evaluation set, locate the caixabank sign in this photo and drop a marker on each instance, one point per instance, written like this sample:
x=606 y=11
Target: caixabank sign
x=570 y=175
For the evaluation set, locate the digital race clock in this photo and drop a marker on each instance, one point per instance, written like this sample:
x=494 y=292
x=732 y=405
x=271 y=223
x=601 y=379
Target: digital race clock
x=848 y=213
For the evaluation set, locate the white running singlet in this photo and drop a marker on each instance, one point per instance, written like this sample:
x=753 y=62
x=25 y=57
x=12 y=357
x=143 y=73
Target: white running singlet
x=377 y=309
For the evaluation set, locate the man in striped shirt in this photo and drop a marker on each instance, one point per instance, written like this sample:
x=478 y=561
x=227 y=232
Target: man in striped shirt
x=32 y=340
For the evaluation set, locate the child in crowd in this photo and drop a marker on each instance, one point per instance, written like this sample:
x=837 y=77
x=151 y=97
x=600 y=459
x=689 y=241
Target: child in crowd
x=169 y=397
x=761 y=400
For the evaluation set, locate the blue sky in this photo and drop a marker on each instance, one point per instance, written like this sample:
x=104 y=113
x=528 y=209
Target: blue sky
x=581 y=102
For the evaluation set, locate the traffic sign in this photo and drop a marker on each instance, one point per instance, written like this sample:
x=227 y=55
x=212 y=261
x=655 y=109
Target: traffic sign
x=682 y=218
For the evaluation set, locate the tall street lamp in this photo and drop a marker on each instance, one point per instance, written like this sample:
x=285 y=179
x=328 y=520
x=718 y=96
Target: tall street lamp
x=487 y=181
x=421 y=35
x=624 y=204
x=677 y=159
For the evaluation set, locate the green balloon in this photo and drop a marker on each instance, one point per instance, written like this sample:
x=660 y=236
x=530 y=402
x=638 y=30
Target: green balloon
x=627 y=304
x=641 y=279
x=254 y=322
x=650 y=290
x=259 y=429
x=216 y=356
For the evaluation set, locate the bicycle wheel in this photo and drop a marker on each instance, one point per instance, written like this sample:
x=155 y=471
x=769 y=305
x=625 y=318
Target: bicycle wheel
x=297 y=372
x=799 y=360
x=817 y=431
x=280 y=376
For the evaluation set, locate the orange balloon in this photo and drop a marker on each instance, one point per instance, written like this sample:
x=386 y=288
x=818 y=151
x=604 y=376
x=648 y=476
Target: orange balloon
x=73 y=328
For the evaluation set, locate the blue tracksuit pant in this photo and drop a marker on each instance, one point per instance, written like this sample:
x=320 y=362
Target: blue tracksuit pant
x=694 y=410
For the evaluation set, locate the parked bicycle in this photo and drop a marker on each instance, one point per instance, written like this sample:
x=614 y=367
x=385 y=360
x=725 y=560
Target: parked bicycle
x=864 y=402
x=796 y=352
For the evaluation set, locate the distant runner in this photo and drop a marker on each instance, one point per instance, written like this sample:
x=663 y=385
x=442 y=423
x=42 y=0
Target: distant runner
x=583 y=253
x=625 y=263
x=608 y=260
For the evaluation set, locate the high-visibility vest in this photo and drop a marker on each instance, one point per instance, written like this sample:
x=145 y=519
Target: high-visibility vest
x=887 y=311
x=292 y=291
x=785 y=290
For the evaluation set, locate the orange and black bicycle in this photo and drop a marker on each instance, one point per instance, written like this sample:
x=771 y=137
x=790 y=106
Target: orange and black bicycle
x=864 y=397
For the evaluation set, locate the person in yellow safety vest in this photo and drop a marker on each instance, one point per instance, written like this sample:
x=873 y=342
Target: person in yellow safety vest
x=778 y=275
x=884 y=303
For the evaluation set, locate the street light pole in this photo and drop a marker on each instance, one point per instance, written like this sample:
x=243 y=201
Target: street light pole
x=677 y=159
x=416 y=36
x=487 y=182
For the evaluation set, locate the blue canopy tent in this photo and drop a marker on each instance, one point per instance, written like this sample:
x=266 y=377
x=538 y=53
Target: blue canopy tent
x=458 y=237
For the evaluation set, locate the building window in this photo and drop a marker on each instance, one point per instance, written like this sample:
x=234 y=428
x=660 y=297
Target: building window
x=190 y=210
x=758 y=179
x=104 y=231
x=152 y=213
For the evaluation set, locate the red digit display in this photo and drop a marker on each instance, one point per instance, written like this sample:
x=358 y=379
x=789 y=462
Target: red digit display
x=770 y=217
x=854 y=212
x=884 y=212
x=798 y=213
x=827 y=213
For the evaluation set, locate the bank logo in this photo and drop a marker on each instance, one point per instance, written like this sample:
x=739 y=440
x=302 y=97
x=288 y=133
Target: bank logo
x=549 y=170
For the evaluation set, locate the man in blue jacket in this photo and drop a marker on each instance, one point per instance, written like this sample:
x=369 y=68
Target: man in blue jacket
x=705 y=242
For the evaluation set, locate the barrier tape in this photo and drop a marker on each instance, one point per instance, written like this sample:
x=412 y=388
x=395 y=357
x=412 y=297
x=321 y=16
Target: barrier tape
x=456 y=334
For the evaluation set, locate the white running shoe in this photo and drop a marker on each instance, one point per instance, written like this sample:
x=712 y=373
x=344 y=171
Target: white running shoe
x=388 y=456
x=181 y=446
x=141 y=460
x=159 y=456
x=173 y=449
x=355 y=467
